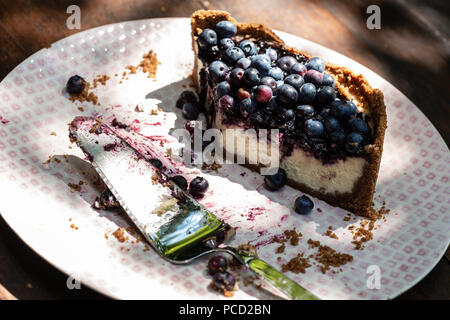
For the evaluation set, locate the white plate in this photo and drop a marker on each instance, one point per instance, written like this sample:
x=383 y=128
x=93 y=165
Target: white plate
x=37 y=203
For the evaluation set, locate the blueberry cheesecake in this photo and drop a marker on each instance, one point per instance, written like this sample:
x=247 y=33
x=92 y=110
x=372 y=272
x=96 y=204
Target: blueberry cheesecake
x=331 y=121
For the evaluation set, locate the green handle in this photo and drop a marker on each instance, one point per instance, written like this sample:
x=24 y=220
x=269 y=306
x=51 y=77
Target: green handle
x=279 y=280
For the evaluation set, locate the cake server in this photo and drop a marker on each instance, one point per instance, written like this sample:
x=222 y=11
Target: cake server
x=176 y=225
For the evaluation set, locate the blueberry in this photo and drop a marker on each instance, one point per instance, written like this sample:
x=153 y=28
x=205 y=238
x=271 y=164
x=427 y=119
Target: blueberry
x=276 y=181
x=359 y=126
x=248 y=106
x=218 y=70
x=156 y=163
x=332 y=124
x=233 y=54
x=207 y=38
x=236 y=76
x=251 y=77
x=303 y=205
x=286 y=63
x=272 y=105
x=261 y=63
x=216 y=264
x=313 y=76
x=269 y=81
x=226 y=29
x=352 y=106
x=287 y=95
x=272 y=53
x=288 y=115
x=307 y=93
x=315 y=63
x=190 y=111
x=341 y=110
x=226 y=103
x=353 y=142
x=243 y=63
x=198 y=186
x=337 y=140
x=294 y=80
x=190 y=126
x=279 y=83
x=314 y=128
x=249 y=47
x=222 y=89
x=186 y=96
x=327 y=80
x=75 y=85
x=325 y=95
x=298 y=68
x=276 y=73
x=226 y=43
x=305 y=111
x=224 y=281
x=180 y=181
x=262 y=93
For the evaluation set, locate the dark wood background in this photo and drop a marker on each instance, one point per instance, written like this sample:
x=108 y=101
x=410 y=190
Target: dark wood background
x=411 y=51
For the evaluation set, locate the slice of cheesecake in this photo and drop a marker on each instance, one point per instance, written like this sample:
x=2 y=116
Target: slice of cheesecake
x=331 y=121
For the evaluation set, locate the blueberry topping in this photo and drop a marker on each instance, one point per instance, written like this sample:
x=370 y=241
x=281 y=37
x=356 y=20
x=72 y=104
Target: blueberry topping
x=341 y=110
x=325 y=95
x=226 y=103
x=247 y=106
x=222 y=89
x=307 y=93
x=276 y=181
x=327 y=80
x=249 y=47
x=315 y=63
x=243 y=63
x=207 y=38
x=303 y=205
x=226 y=29
x=198 y=186
x=156 y=163
x=233 y=54
x=269 y=81
x=298 y=68
x=262 y=63
x=287 y=95
x=190 y=111
x=359 y=126
x=226 y=43
x=294 y=80
x=180 y=181
x=251 y=77
x=337 y=139
x=272 y=53
x=217 y=264
x=314 y=77
x=353 y=142
x=276 y=73
x=75 y=85
x=218 y=70
x=314 y=128
x=332 y=124
x=236 y=76
x=285 y=63
x=186 y=96
x=224 y=281
x=288 y=115
x=262 y=93
x=305 y=111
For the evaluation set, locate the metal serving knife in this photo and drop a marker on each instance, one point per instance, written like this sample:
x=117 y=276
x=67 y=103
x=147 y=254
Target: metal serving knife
x=176 y=225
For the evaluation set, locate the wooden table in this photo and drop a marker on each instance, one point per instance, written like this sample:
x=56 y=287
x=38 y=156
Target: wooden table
x=410 y=51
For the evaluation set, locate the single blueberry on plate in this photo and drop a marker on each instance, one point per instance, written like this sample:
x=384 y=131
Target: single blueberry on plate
x=269 y=81
x=303 y=205
x=286 y=63
x=295 y=80
x=186 y=96
x=216 y=264
x=314 y=128
x=359 y=126
x=313 y=76
x=226 y=102
x=307 y=93
x=353 y=142
x=226 y=29
x=262 y=93
x=325 y=95
x=156 y=163
x=75 y=85
x=298 y=68
x=276 y=73
x=327 y=80
x=226 y=43
x=243 y=63
x=233 y=54
x=276 y=181
x=315 y=63
x=287 y=95
x=304 y=111
x=224 y=281
x=190 y=111
x=236 y=76
x=198 y=186
x=272 y=53
x=249 y=47
x=247 y=106
x=222 y=89
x=207 y=38
x=218 y=70
x=180 y=181
x=251 y=77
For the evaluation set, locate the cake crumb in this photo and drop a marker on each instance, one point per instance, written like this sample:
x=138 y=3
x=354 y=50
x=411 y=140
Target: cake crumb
x=53 y=133
x=119 y=234
x=298 y=264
